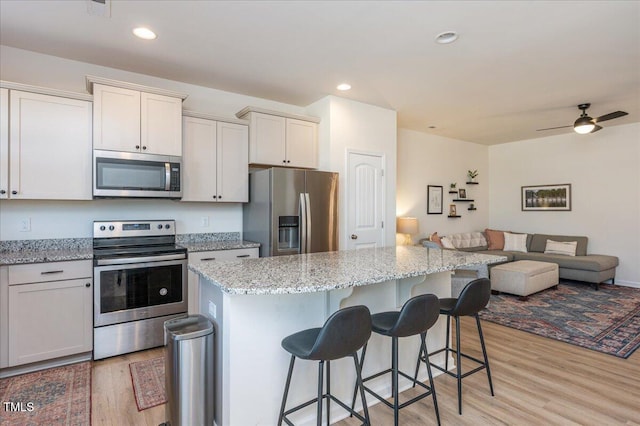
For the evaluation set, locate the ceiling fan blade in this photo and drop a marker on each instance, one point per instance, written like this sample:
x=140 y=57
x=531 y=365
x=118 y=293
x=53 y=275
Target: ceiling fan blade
x=595 y=129
x=610 y=116
x=553 y=128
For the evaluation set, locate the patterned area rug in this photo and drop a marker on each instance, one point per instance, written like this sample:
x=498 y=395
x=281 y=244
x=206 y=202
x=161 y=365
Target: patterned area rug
x=148 y=382
x=607 y=320
x=57 y=396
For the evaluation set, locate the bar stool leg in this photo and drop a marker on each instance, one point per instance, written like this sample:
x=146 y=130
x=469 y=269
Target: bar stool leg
x=286 y=390
x=359 y=383
x=415 y=376
x=328 y=391
x=431 y=384
x=320 y=382
x=446 y=344
x=355 y=388
x=458 y=365
x=484 y=353
x=394 y=379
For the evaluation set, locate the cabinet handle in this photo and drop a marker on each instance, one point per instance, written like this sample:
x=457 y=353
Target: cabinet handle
x=2 y=191
x=219 y=196
x=144 y=147
x=207 y=259
x=242 y=255
x=284 y=161
x=14 y=192
x=137 y=146
x=288 y=161
x=87 y=285
x=51 y=272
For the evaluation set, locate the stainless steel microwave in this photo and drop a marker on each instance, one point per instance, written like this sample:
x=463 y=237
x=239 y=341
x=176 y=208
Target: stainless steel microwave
x=129 y=174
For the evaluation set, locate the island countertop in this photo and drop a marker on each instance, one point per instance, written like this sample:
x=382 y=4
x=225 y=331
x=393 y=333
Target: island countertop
x=314 y=272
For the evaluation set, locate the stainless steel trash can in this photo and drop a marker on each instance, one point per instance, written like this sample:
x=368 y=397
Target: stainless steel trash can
x=189 y=371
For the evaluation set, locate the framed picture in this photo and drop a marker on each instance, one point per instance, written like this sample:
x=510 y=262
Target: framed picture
x=546 y=197
x=452 y=210
x=434 y=199
x=462 y=193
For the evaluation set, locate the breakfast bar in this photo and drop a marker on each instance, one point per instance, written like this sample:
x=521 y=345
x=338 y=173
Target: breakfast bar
x=255 y=303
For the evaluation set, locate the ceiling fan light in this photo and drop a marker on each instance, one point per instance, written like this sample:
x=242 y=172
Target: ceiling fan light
x=584 y=125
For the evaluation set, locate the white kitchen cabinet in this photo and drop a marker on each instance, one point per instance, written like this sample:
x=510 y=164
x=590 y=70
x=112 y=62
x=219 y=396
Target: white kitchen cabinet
x=4 y=143
x=49 y=148
x=280 y=139
x=215 y=160
x=211 y=256
x=51 y=316
x=126 y=117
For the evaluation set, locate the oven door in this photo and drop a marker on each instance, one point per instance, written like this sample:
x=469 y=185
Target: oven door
x=135 y=291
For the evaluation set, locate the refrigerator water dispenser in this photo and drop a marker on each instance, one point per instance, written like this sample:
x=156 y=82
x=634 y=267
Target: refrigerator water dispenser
x=288 y=233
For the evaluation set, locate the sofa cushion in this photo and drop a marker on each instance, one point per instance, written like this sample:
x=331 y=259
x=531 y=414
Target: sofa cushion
x=467 y=239
x=495 y=239
x=539 y=242
x=568 y=248
x=591 y=262
x=515 y=242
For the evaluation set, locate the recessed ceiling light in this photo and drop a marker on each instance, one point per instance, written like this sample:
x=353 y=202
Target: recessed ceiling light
x=144 y=33
x=446 y=37
x=343 y=86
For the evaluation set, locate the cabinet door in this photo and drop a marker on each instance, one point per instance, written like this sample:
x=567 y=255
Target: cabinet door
x=116 y=118
x=161 y=124
x=4 y=316
x=4 y=143
x=301 y=144
x=50 y=147
x=199 y=160
x=49 y=320
x=267 y=139
x=233 y=162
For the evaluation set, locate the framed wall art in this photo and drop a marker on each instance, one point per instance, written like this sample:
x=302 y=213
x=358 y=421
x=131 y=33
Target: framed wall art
x=434 y=199
x=546 y=197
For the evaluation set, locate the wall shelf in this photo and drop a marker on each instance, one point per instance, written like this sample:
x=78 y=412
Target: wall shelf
x=473 y=183
x=470 y=209
x=454 y=216
x=469 y=200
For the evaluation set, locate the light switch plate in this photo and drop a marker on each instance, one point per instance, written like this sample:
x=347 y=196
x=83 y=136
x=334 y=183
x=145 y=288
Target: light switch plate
x=212 y=309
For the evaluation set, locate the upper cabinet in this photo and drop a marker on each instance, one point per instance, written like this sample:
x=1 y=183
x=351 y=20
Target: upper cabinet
x=215 y=159
x=45 y=145
x=279 y=139
x=132 y=118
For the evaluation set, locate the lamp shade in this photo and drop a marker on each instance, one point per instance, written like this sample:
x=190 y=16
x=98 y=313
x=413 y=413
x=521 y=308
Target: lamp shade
x=407 y=225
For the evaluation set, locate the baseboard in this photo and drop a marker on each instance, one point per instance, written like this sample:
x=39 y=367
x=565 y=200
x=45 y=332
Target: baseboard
x=625 y=283
x=43 y=365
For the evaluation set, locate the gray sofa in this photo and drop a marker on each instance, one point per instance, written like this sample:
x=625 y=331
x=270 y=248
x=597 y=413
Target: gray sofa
x=590 y=268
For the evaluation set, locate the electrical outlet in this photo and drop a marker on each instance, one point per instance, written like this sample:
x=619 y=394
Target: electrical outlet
x=25 y=225
x=212 y=309
x=205 y=221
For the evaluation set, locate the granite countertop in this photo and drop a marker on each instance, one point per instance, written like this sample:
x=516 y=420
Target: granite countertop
x=16 y=252
x=307 y=273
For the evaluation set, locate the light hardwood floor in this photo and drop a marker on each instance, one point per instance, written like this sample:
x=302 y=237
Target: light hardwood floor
x=537 y=381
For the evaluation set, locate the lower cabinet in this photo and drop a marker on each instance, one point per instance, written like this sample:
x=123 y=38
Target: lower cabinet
x=211 y=256
x=49 y=311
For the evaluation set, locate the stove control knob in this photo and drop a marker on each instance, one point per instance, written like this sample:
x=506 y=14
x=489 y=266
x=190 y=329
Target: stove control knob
x=159 y=226
x=167 y=226
x=102 y=227
x=111 y=227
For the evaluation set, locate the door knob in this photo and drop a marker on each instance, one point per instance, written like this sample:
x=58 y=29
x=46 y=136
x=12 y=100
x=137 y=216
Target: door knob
x=354 y=237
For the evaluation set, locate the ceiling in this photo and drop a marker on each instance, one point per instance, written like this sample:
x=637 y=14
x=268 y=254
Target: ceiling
x=517 y=66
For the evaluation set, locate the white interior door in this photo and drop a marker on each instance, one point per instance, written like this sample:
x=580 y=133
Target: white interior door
x=365 y=200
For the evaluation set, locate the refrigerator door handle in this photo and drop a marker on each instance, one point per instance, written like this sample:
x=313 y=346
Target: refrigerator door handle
x=308 y=224
x=303 y=223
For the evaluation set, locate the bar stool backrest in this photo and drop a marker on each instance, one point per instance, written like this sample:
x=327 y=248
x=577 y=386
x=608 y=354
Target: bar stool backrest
x=417 y=316
x=346 y=331
x=473 y=298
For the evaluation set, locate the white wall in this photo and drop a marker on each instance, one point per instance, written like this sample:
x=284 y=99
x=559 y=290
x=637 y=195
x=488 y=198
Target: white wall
x=604 y=172
x=68 y=219
x=425 y=159
x=350 y=125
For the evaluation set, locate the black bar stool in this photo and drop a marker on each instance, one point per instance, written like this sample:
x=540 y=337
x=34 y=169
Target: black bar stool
x=342 y=335
x=473 y=298
x=417 y=316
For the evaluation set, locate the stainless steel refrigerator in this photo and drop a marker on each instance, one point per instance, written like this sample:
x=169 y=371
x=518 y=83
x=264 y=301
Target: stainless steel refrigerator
x=292 y=211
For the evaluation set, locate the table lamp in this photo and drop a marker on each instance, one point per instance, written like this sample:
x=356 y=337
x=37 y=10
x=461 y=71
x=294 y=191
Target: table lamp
x=407 y=226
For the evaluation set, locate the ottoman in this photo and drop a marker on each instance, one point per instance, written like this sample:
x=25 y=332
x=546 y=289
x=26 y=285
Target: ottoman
x=524 y=277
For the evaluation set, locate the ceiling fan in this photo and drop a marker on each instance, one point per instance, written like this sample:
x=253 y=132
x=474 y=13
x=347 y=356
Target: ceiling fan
x=585 y=124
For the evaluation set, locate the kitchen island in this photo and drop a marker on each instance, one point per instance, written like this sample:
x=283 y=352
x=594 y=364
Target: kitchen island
x=255 y=303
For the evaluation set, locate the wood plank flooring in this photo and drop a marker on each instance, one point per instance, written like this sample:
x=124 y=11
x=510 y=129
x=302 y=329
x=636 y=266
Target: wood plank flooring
x=537 y=381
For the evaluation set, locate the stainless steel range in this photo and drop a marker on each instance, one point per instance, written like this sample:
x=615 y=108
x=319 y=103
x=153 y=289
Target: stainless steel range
x=140 y=281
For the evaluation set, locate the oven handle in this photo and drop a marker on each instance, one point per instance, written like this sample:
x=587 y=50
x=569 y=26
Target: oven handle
x=121 y=261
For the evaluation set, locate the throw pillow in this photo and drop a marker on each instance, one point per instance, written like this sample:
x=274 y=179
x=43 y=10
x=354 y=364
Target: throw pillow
x=515 y=242
x=446 y=243
x=495 y=239
x=436 y=239
x=567 y=248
